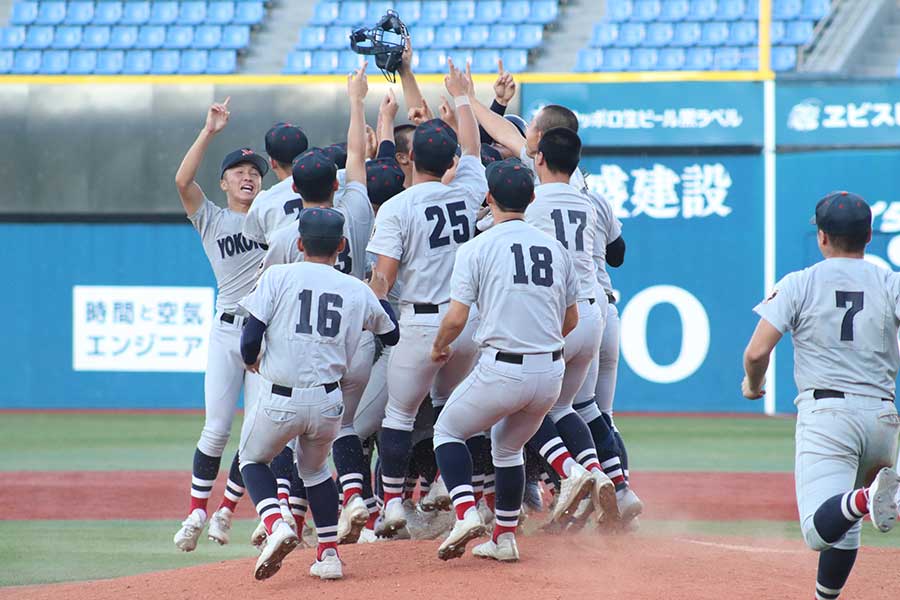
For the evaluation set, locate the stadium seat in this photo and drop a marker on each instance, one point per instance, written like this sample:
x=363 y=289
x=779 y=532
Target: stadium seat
x=178 y=37
x=67 y=37
x=348 y=61
x=488 y=11
x=207 y=37
x=644 y=59
x=423 y=36
x=645 y=10
x=54 y=62
x=741 y=33
x=786 y=9
x=110 y=62
x=106 y=13
x=485 y=61
x=460 y=12
x=165 y=62
x=448 y=36
x=617 y=12
x=151 y=36
x=798 y=33
x=221 y=62
x=543 y=12
x=324 y=13
x=193 y=62
x=605 y=34
x=589 y=60
x=136 y=13
x=38 y=37
x=515 y=11
x=123 y=37
x=514 y=61
x=702 y=10
x=714 y=33
x=659 y=35
x=432 y=61
x=687 y=34
x=730 y=10
x=698 y=59
x=7 y=58
x=461 y=56
x=528 y=36
x=23 y=13
x=249 y=13
x=631 y=35
x=324 y=61
x=352 y=12
x=80 y=13
x=26 y=62
x=220 y=13
x=434 y=12
x=82 y=62
x=410 y=11
x=163 y=13
x=502 y=36
x=777 y=32
x=815 y=9
x=726 y=59
x=616 y=59
x=137 y=62
x=95 y=37
x=336 y=38
x=670 y=59
x=376 y=9
x=475 y=36
x=751 y=10
x=784 y=58
x=674 y=10
x=298 y=62
x=51 y=13
x=234 y=37
x=310 y=38
x=191 y=13
x=12 y=38
x=750 y=58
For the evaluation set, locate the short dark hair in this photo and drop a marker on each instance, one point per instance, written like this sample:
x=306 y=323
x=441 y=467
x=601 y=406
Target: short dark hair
x=403 y=135
x=850 y=243
x=281 y=165
x=320 y=247
x=316 y=191
x=561 y=148
x=554 y=115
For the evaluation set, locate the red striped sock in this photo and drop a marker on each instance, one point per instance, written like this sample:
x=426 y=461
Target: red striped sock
x=861 y=501
x=229 y=504
x=558 y=463
x=462 y=507
x=388 y=496
x=349 y=492
x=489 y=500
x=198 y=503
x=478 y=496
x=500 y=529
x=271 y=521
x=370 y=524
x=323 y=546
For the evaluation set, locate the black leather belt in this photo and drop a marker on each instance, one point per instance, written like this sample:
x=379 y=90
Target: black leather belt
x=229 y=318
x=518 y=359
x=425 y=309
x=283 y=390
x=821 y=394
x=611 y=298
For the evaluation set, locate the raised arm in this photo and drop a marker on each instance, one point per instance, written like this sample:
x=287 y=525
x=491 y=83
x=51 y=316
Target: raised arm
x=496 y=126
x=412 y=95
x=357 y=88
x=504 y=91
x=387 y=113
x=457 y=83
x=185 y=177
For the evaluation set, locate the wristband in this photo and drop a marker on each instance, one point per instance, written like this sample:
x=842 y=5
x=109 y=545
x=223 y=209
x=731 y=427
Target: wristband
x=461 y=101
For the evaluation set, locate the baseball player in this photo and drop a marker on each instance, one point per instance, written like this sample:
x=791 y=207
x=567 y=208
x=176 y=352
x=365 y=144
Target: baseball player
x=233 y=259
x=311 y=317
x=843 y=314
x=416 y=236
x=519 y=374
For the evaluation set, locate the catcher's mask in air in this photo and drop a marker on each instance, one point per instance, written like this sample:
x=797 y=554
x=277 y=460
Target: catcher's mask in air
x=386 y=42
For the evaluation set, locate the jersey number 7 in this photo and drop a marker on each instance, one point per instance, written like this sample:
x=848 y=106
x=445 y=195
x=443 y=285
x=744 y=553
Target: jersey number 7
x=855 y=300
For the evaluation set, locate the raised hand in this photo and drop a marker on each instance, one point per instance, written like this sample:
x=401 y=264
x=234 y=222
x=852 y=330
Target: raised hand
x=456 y=81
x=217 y=116
x=504 y=86
x=448 y=114
x=358 y=83
x=371 y=143
x=406 y=59
x=419 y=114
x=389 y=106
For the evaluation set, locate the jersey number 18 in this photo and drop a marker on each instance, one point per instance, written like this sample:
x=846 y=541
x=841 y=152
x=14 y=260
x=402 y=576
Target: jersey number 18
x=541 y=265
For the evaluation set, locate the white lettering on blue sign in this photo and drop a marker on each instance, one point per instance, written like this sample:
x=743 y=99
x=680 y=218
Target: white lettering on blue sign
x=812 y=113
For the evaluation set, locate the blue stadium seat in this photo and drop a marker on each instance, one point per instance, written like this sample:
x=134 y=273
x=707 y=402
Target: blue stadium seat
x=777 y=32
x=324 y=13
x=698 y=59
x=670 y=59
x=461 y=56
x=23 y=13
x=163 y=13
x=26 y=62
x=659 y=35
x=51 y=13
x=324 y=61
x=750 y=58
x=434 y=12
x=191 y=13
x=644 y=59
x=726 y=59
x=605 y=34
x=151 y=36
x=475 y=36
x=310 y=38
x=349 y=61
x=67 y=37
x=207 y=37
x=460 y=12
x=136 y=13
x=798 y=33
x=221 y=62
x=543 y=12
x=109 y=62
x=13 y=37
x=617 y=12
x=616 y=59
x=786 y=9
x=702 y=10
x=352 y=12
x=38 y=37
x=514 y=61
x=165 y=62
x=376 y=9
x=631 y=35
x=815 y=9
x=234 y=37
x=220 y=13
x=448 y=36
x=784 y=58
x=54 y=62
x=7 y=57
x=423 y=36
x=751 y=10
x=82 y=62
x=589 y=60
x=106 y=13
x=687 y=34
x=515 y=11
x=502 y=36
x=95 y=37
x=741 y=33
x=411 y=11
x=193 y=62
x=432 y=61
x=674 y=10
x=730 y=10
x=298 y=62
x=249 y=13
x=488 y=11
x=80 y=13
x=528 y=36
x=178 y=37
x=137 y=62
x=124 y=37
x=485 y=61
x=336 y=38
x=715 y=33
x=645 y=10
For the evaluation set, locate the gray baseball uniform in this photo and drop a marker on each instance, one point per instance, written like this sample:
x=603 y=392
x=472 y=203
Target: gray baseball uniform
x=272 y=209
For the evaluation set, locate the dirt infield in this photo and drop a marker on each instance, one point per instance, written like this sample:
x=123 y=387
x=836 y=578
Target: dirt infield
x=164 y=495
x=584 y=566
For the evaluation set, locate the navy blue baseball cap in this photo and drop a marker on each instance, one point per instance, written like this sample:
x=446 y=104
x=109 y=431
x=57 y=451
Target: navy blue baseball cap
x=489 y=154
x=314 y=168
x=244 y=155
x=434 y=146
x=285 y=142
x=843 y=213
x=384 y=179
x=510 y=182
x=320 y=223
x=338 y=153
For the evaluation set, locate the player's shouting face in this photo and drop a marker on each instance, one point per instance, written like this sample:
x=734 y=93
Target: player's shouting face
x=241 y=183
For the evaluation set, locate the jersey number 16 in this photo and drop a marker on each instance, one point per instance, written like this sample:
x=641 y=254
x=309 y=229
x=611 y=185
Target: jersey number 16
x=328 y=323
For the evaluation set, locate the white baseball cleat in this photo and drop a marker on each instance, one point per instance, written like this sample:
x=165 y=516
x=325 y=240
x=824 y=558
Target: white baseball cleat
x=437 y=498
x=630 y=506
x=288 y=517
x=603 y=496
x=278 y=545
x=504 y=550
x=582 y=513
x=393 y=519
x=883 y=499
x=258 y=537
x=191 y=529
x=330 y=567
x=352 y=520
x=367 y=536
x=487 y=515
x=463 y=532
x=429 y=525
x=572 y=489
x=219 y=526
